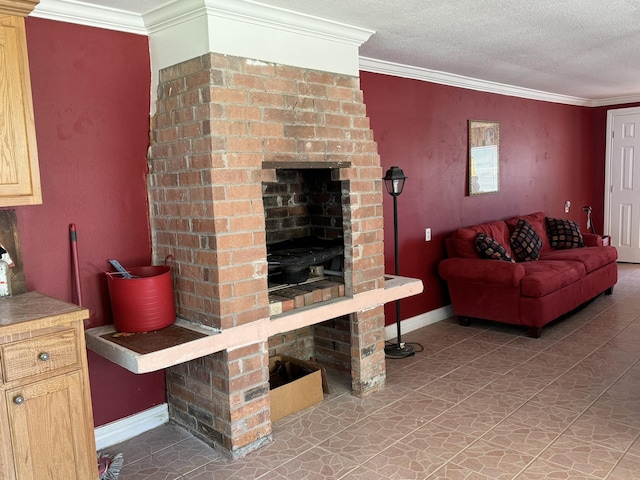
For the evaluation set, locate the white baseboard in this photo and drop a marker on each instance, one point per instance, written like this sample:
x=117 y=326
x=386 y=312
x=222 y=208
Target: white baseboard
x=419 y=321
x=128 y=427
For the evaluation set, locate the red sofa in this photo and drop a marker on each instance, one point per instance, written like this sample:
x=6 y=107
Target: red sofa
x=528 y=293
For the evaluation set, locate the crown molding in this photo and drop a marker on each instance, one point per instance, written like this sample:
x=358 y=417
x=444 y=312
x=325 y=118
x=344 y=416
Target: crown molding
x=255 y=13
x=605 y=102
x=81 y=13
x=417 y=73
x=172 y=14
x=453 y=80
x=178 y=11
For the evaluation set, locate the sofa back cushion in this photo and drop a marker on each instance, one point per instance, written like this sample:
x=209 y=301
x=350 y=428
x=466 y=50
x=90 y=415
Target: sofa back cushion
x=538 y=222
x=465 y=238
x=564 y=233
x=525 y=242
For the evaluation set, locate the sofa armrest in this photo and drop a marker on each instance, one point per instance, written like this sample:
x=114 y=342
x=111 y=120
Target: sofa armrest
x=495 y=272
x=592 y=240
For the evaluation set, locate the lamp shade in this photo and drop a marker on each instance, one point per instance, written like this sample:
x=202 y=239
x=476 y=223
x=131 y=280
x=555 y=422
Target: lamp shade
x=394 y=181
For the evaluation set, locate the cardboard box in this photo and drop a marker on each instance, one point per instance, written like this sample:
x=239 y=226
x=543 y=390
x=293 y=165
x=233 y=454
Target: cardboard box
x=295 y=385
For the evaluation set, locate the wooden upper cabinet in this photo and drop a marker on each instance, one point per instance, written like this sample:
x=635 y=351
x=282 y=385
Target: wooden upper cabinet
x=19 y=171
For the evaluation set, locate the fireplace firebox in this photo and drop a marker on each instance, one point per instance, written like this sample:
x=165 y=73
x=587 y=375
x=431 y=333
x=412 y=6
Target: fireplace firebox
x=303 y=223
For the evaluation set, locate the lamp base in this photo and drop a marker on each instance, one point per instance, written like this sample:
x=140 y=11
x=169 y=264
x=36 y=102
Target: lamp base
x=400 y=350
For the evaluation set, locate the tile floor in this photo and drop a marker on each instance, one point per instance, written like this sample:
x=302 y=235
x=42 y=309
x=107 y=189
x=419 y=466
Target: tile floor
x=480 y=402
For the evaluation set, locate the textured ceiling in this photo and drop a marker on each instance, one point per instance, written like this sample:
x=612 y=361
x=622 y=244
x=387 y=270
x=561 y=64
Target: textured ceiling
x=588 y=49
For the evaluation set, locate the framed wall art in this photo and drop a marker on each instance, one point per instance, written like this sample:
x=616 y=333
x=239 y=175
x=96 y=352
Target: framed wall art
x=484 y=157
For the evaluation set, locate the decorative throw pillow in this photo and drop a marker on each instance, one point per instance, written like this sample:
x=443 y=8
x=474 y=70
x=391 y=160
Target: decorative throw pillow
x=564 y=233
x=488 y=248
x=525 y=242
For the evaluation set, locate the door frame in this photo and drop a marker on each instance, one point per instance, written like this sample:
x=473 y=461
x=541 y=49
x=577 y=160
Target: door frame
x=608 y=182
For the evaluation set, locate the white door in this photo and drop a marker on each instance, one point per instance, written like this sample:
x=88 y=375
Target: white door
x=622 y=182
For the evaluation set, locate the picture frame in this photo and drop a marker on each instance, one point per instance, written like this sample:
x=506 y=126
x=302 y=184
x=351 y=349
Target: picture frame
x=484 y=157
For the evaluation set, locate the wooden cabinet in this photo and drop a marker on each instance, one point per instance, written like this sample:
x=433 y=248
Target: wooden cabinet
x=19 y=171
x=46 y=421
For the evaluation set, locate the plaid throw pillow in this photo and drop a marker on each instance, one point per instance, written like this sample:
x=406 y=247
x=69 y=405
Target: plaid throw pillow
x=564 y=233
x=487 y=247
x=525 y=242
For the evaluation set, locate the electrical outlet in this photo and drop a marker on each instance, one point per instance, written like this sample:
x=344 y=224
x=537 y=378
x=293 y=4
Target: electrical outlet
x=427 y=235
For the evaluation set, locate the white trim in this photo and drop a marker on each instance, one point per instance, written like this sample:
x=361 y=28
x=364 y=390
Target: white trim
x=80 y=13
x=607 y=175
x=434 y=76
x=605 y=102
x=417 y=73
x=419 y=321
x=131 y=426
x=248 y=11
x=172 y=14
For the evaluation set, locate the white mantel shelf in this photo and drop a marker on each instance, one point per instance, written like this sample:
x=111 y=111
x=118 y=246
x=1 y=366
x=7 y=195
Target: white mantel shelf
x=213 y=341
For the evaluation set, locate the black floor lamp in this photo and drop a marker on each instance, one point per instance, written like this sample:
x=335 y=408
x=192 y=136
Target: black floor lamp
x=394 y=182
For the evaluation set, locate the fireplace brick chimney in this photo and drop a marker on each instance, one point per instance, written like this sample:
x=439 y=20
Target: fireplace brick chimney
x=223 y=126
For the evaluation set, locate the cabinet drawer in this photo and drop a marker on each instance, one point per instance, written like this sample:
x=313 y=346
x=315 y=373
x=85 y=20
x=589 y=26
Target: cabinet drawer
x=38 y=355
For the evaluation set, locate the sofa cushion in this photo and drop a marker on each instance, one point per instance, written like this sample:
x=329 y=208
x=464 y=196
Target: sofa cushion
x=465 y=238
x=538 y=221
x=544 y=277
x=525 y=242
x=591 y=257
x=487 y=247
x=564 y=233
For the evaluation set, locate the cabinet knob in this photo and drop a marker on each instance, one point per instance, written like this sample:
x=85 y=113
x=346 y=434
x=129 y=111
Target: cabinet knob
x=19 y=400
x=44 y=356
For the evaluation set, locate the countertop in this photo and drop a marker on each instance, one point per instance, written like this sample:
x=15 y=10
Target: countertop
x=34 y=305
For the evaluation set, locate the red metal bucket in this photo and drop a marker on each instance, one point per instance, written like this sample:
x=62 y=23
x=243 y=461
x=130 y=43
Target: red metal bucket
x=142 y=304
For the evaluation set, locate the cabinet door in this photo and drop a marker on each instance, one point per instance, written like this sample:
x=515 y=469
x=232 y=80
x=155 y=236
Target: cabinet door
x=19 y=172
x=48 y=427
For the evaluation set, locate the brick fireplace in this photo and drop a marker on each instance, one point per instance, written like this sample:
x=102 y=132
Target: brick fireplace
x=225 y=129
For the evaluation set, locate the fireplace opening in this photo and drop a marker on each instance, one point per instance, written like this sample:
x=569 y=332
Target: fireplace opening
x=301 y=203
x=304 y=236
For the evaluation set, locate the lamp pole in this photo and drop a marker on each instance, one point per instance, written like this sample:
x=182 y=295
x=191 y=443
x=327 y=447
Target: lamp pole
x=394 y=182
x=396 y=254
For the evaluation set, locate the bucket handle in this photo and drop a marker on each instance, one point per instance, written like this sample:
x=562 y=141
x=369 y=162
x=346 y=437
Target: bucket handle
x=168 y=262
x=116 y=275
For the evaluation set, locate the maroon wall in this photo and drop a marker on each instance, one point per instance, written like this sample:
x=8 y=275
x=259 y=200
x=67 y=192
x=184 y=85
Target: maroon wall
x=91 y=104
x=546 y=158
